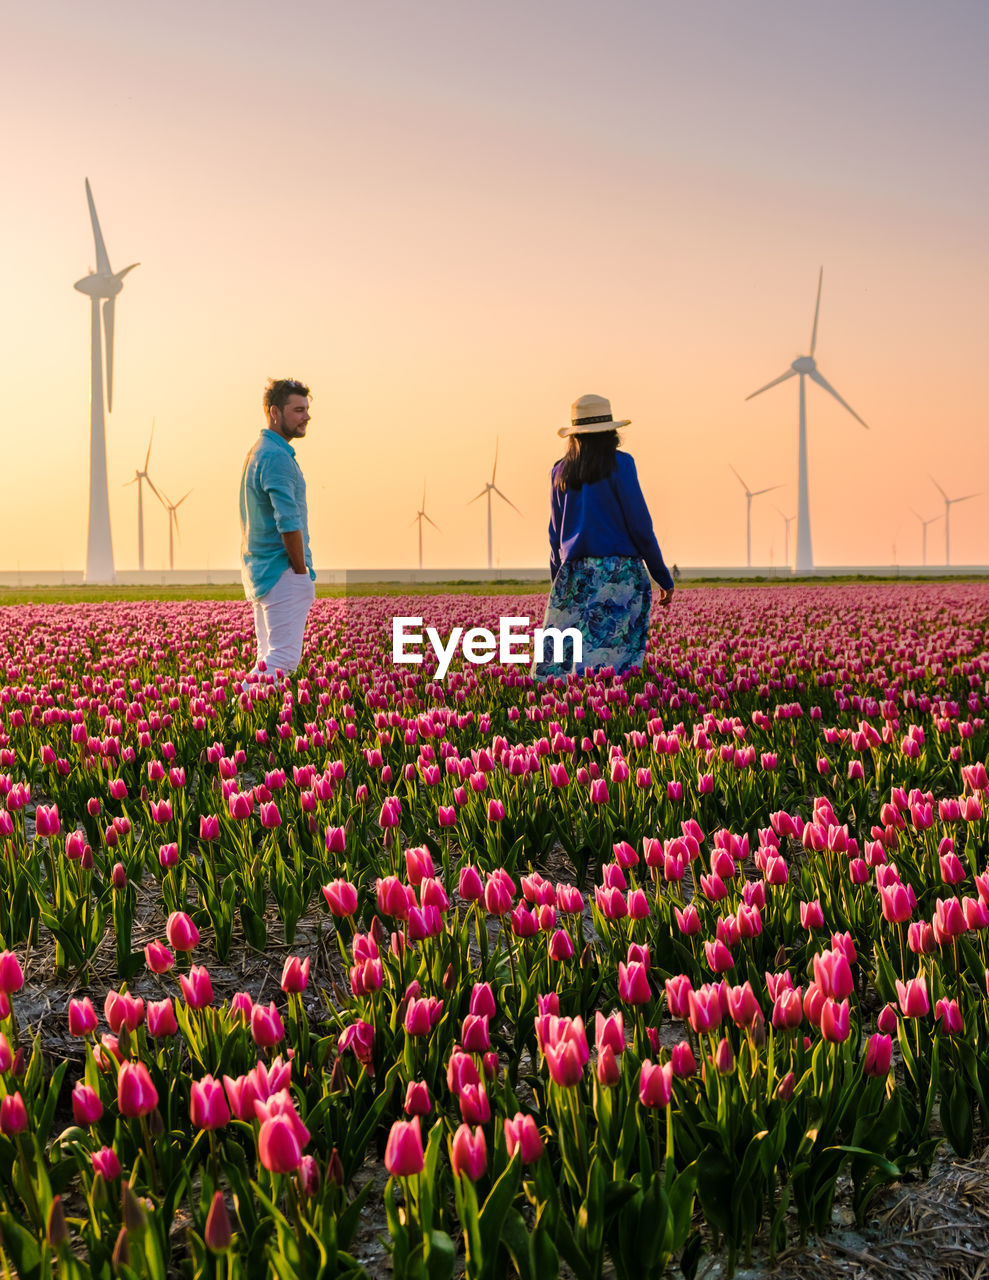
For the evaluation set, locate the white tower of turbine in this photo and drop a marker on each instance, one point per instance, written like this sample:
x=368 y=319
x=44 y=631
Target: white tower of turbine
x=139 y=478
x=948 y=504
x=806 y=367
x=749 y=495
x=103 y=284
x=923 y=534
x=787 y=521
x=419 y=517
x=488 y=489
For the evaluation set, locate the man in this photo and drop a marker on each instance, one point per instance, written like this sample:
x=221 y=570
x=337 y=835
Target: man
x=277 y=565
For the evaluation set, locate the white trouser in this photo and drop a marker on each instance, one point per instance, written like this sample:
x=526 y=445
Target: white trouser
x=280 y=621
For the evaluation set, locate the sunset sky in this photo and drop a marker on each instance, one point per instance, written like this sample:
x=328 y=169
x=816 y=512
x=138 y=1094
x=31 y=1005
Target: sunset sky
x=453 y=219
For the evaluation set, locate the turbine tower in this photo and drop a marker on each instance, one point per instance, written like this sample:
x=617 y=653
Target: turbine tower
x=103 y=284
x=139 y=478
x=749 y=495
x=419 y=517
x=173 y=520
x=948 y=504
x=787 y=521
x=806 y=367
x=923 y=527
x=488 y=489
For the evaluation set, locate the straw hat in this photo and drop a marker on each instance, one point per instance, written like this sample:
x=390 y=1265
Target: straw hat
x=591 y=413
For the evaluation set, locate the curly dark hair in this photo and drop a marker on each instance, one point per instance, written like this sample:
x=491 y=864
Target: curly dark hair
x=279 y=391
x=590 y=457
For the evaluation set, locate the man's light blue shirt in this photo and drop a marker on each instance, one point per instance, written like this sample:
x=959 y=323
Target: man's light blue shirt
x=272 y=502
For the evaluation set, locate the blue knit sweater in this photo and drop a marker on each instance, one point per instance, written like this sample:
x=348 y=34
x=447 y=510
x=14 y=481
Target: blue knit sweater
x=608 y=518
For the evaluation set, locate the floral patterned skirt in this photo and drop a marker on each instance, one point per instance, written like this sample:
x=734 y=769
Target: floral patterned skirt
x=608 y=599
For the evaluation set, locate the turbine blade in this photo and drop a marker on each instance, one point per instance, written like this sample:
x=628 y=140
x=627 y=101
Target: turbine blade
x=817 y=309
x=130 y=482
x=120 y=274
x=937 y=486
x=480 y=495
x=790 y=373
x=108 y=331
x=147 y=456
x=180 y=501
x=414 y=519
x=508 y=500
x=432 y=522
x=102 y=261
x=739 y=478
x=966 y=498
x=917 y=514
x=151 y=485
x=423 y=503
x=821 y=381
x=495 y=467
x=769 y=490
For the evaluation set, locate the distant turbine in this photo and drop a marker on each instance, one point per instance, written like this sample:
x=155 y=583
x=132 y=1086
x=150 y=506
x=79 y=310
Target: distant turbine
x=806 y=367
x=420 y=516
x=488 y=489
x=749 y=495
x=787 y=521
x=139 y=478
x=106 y=284
x=923 y=527
x=173 y=519
x=948 y=504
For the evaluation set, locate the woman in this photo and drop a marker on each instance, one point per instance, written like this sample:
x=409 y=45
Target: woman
x=600 y=532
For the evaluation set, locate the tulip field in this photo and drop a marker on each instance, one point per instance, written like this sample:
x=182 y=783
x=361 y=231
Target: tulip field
x=360 y=972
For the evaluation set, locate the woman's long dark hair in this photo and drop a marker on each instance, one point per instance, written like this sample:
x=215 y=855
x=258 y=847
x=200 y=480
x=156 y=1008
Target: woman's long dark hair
x=590 y=457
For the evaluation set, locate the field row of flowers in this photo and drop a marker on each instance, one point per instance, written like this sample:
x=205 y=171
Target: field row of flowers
x=602 y=969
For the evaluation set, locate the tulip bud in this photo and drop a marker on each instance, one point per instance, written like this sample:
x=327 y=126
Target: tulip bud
x=58 y=1228
x=218 y=1233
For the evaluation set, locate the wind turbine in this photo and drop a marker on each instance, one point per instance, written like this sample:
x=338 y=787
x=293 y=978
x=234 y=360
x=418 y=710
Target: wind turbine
x=923 y=527
x=139 y=478
x=102 y=284
x=787 y=521
x=806 y=367
x=948 y=504
x=173 y=519
x=749 y=495
x=488 y=489
x=420 y=516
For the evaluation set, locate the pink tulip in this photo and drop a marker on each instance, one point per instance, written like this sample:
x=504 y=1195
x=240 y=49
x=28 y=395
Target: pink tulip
x=86 y=1105
x=136 y=1094
x=181 y=932
x=522 y=1135
x=197 y=988
x=267 y=1028
x=835 y=1021
x=161 y=1019
x=82 y=1017
x=878 y=1055
x=106 y=1164
x=417 y=1100
x=279 y=1149
x=682 y=1060
x=655 y=1084
x=913 y=998
x=295 y=975
x=468 y=1153
x=341 y=898
x=158 y=957
x=207 y=1105
x=949 y=1015
x=11 y=973
x=403 y=1152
